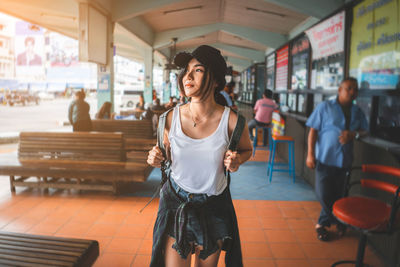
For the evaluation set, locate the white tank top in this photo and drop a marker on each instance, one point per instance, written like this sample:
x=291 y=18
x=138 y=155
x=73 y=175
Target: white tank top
x=197 y=164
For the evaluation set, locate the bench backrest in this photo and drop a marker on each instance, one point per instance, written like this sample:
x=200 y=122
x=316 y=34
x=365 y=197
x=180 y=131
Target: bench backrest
x=130 y=128
x=72 y=146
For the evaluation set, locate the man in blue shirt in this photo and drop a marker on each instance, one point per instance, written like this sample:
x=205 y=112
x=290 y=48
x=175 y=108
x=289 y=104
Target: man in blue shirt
x=334 y=124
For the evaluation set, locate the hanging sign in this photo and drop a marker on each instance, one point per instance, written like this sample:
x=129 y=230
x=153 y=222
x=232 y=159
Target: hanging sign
x=327 y=38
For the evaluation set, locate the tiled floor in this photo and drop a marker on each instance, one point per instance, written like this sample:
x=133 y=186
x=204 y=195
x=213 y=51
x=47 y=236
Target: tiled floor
x=273 y=233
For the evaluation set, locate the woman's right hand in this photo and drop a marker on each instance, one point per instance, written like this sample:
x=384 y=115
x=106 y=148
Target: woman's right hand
x=155 y=157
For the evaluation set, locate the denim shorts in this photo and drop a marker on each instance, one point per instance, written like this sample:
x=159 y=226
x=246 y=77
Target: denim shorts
x=218 y=223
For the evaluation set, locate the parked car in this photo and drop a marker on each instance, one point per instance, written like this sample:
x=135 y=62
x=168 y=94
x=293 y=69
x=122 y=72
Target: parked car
x=21 y=97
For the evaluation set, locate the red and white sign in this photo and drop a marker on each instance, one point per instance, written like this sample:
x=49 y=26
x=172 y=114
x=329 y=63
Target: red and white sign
x=282 y=60
x=327 y=38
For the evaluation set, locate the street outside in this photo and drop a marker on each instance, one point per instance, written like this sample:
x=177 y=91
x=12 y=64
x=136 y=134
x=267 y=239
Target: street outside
x=48 y=115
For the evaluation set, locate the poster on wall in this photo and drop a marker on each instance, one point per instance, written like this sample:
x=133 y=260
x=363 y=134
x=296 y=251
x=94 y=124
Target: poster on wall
x=270 y=72
x=300 y=60
x=327 y=38
x=29 y=51
x=375 y=44
x=62 y=51
x=282 y=61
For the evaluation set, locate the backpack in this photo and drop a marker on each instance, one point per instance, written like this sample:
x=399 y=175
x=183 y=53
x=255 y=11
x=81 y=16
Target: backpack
x=166 y=164
x=278 y=124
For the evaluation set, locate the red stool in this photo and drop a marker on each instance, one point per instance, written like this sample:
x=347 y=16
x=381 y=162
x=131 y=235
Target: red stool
x=370 y=215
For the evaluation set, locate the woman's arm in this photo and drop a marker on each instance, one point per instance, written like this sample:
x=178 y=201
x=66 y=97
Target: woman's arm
x=155 y=156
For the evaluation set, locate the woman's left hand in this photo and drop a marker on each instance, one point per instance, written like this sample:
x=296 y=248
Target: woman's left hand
x=232 y=161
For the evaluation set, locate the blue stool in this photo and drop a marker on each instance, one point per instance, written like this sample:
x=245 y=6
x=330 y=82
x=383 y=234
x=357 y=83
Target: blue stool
x=288 y=167
x=265 y=130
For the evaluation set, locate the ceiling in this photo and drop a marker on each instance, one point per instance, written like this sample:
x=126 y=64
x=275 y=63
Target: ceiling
x=244 y=30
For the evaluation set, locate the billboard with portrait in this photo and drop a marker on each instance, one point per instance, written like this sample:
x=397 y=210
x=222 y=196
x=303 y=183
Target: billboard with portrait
x=29 y=51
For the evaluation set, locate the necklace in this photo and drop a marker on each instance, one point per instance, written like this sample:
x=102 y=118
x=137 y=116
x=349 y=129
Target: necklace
x=194 y=122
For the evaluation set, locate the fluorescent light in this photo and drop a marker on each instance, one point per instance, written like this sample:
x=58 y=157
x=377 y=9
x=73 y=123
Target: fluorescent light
x=182 y=9
x=266 y=12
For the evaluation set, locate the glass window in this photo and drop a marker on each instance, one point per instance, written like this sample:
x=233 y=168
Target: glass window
x=300 y=60
x=327 y=73
x=365 y=103
x=270 y=80
x=292 y=102
x=283 y=100
x=388 y=121
x=302 y=103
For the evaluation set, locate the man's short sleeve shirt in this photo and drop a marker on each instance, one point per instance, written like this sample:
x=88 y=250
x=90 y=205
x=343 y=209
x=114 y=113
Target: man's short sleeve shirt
x=328 y=119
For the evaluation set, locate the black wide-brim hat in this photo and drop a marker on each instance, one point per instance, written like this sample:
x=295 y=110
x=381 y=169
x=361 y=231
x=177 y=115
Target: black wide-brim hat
x=210 y=57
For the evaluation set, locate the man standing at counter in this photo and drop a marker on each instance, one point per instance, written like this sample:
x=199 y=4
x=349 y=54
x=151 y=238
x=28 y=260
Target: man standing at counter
x=334 y=124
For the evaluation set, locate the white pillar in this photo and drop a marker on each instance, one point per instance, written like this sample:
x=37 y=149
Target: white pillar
x=148 y=75
x=105 y=73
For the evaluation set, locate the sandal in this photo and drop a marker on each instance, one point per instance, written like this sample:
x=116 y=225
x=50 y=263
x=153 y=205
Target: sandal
x=322 y=233
x=341 y=229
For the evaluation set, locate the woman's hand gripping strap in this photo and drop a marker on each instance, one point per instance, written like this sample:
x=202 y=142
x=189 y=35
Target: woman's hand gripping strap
x=235 y=138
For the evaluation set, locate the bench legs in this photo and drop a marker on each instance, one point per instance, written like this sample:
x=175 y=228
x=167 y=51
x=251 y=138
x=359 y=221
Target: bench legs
x=12 y=187
x=46 y=190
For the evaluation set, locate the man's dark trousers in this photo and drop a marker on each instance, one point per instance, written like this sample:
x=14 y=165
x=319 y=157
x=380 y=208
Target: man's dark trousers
x=329 y=187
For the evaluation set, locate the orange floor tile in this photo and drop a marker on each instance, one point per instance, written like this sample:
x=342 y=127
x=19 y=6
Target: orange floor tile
x=273 y=233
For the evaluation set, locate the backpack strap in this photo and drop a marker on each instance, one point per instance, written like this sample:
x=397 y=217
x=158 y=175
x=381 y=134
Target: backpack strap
x=235 y=138
x=165 y=164
x=237 y=132
x=160 y=132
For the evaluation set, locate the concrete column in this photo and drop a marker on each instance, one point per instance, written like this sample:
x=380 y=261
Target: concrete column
x=105 y=73
x=148 y=75
x=166 y=86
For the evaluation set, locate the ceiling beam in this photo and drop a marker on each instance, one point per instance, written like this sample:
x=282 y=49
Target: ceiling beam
x=314 y=8
x=129 y=53
x=140 y=29
x=251 y=54
x=266 y=38
x=238 y=61
x=126 y=9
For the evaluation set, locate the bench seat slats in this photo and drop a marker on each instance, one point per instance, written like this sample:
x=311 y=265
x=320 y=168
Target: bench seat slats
x=11 y=263
x=25 y=157
x=81 y=158
x=18 y=249
x=41 y=240
x=77 y=135
x=130 y=128
x=20 y=252
x=40 y=248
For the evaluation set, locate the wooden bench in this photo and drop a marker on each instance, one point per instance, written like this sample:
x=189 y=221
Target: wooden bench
x=138 y=136
x=35 y=250
x=78 y=160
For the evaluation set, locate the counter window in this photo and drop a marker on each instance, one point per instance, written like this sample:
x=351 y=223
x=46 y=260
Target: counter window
x=300 y=60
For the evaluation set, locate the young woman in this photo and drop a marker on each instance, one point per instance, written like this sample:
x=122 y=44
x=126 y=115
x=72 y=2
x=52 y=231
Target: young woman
x=105 y=111
x=196 y=213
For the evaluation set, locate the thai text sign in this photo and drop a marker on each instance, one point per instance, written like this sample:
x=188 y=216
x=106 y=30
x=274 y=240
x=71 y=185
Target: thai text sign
x=327 y=38
x=282 y=61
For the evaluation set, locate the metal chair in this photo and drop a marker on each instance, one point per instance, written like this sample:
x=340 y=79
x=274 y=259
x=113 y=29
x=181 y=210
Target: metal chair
x=370 y=215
